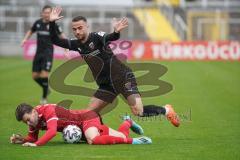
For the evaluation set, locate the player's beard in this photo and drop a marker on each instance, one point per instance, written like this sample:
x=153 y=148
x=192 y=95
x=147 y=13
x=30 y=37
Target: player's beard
x=81 y=37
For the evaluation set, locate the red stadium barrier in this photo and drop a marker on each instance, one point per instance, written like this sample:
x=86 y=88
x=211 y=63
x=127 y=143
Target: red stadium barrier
x=186 y=51
x=29 y=50
x=146 y=50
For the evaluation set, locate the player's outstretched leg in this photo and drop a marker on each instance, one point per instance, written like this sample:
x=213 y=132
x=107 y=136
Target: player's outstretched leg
x=124 y=128
x=136 y=128
x=167 y=110
x=172 y=115
x=93 y=136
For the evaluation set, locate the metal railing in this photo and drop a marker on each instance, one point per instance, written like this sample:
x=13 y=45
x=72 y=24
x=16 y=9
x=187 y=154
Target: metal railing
x=210 y=4
x=17 y=34
x=175 y=19
x=223 y=25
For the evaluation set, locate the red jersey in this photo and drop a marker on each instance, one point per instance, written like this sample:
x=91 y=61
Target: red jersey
x=54 y=119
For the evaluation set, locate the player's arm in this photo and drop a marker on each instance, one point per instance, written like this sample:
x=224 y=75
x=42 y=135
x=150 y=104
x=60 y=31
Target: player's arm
x=49 y=134
x=29 y=33
x=55 y=15
x=26 y=37
x=66 y=51
x=118 y=26
x=63 y=36
x=64 y=43
x=112 y=36
x=49 y=115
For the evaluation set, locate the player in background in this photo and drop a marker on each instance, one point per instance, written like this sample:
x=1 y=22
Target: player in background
x=112 y=76
x=43 y=59
x=53 y=119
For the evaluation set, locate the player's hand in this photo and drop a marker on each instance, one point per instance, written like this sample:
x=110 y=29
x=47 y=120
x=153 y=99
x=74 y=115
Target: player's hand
x=28 y=144
x=118 y=25
x=16 y=139
x=23 y=42
x=55 y=14
x=67 y=54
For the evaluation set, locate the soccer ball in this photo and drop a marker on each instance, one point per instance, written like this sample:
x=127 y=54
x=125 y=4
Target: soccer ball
x=72 y=134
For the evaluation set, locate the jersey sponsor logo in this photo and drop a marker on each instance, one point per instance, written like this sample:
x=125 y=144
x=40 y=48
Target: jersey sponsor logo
x=38 y=25
x=94 y=53
x=46 y=33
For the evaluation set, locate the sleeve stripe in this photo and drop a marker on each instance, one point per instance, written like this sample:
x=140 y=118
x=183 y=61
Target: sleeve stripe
x=53 y=118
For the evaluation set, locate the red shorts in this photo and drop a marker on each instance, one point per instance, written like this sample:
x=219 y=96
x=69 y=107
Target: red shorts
x=95 y=122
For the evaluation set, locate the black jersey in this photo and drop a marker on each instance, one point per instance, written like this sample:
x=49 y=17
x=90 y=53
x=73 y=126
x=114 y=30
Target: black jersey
x=44 y=43
x=103 y=63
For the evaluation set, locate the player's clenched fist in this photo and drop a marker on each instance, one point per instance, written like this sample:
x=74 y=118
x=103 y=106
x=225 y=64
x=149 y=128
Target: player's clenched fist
x=16 y=139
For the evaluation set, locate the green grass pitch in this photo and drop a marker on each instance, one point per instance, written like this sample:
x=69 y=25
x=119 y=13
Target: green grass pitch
x=211 y=90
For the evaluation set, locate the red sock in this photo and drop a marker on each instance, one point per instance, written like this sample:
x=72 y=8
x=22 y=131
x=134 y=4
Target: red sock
x=106 y=139
x=124 y=127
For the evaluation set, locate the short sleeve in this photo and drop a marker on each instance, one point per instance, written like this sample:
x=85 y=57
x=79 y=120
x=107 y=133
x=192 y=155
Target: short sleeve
x=50 y=114
x=34 y=27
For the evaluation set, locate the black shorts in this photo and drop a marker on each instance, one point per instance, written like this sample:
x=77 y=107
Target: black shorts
x=125 y=85
x=42 y=62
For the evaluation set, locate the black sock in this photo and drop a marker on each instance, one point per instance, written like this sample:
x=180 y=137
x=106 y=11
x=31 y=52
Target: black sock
x=153 y=110
x=45 y=87
x=38 y=81
x=43 y=82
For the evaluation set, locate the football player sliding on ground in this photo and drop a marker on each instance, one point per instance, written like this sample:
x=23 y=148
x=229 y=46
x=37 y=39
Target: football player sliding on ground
x=53 y=119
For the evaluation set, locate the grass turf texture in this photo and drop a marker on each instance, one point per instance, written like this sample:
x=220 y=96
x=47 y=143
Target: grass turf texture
x=210 y=89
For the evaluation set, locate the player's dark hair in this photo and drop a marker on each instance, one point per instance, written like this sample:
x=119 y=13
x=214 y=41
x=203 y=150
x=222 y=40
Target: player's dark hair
x=22 y=109
x=46 y=7
x=79 y=18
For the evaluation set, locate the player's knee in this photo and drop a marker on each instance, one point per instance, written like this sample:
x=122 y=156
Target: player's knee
x=35 y=76
x=44 y=74
x=137 y=110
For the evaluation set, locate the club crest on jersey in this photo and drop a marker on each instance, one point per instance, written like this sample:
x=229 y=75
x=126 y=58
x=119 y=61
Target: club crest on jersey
x=38 y=25
x=91 y=45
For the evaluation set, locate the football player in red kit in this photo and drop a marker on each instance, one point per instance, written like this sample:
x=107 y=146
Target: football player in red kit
x=53 y=119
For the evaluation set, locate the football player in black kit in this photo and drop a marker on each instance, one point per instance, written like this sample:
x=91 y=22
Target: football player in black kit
x=43 y=59
x=111 y=75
